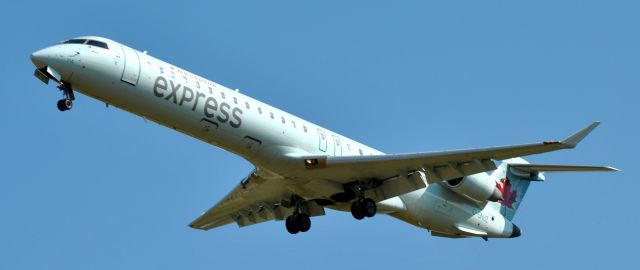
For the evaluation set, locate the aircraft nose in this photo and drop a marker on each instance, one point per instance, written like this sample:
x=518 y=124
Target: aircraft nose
x=515 y=232
x=41 y=58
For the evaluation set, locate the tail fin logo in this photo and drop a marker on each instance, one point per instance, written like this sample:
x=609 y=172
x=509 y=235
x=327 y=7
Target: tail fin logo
x=509 y=196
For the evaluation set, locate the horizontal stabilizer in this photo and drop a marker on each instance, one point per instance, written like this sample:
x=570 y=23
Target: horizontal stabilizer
x=534 y=168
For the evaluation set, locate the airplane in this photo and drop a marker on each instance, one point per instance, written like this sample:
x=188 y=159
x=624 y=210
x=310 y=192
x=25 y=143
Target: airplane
x=301 y=169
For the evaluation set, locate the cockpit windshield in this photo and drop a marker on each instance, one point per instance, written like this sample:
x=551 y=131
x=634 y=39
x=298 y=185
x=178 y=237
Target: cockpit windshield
x=75 y=41
x=89 y=42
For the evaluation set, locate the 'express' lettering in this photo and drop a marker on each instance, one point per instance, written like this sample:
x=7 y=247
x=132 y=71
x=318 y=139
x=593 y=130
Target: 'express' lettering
x=210 y=106
x=236 y=116
x=183 y=95
x=174 y=92
x=223 y=110
x=160 y=84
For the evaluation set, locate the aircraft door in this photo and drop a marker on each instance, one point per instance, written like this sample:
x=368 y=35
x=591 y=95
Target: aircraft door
x=337 y=146
x=323 y=140
x=131 y=72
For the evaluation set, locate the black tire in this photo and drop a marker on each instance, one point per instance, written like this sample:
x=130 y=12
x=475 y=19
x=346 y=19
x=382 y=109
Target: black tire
x=292 y=225
x=68 y=104
x=369 y=207
x=61 y=105
x=356 y=210
x=304 y=222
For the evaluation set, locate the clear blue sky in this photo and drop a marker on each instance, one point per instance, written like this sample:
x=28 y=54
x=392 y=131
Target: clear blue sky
x=98 y=188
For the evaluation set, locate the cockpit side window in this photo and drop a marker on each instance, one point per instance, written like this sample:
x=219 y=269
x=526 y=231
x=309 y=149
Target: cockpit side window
x=98 y=44
x=74 y=41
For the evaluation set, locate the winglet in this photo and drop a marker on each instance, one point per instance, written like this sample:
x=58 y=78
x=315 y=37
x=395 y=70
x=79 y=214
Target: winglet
x=574 y=139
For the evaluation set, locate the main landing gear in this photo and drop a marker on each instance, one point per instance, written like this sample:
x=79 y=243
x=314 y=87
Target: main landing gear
x=66 y=103
x=363 y=208
x=298 y=222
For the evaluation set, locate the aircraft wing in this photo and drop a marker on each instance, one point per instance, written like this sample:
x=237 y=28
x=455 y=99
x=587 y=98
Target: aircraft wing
x=254 y=200
x=438 y=166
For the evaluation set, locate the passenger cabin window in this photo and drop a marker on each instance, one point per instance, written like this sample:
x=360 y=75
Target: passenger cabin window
x=222 y=94
x=283 y=121
x=271 y=115
x=235 y=100
x=360 y=150
x=304 y=128
x=246 y=105
x=98 y=44
x=294 y=123
x=210 y=90
x=259 y=110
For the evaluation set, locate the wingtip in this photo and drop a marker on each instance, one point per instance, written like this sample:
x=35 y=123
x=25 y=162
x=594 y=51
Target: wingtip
x=612 y=169
x=574 y=139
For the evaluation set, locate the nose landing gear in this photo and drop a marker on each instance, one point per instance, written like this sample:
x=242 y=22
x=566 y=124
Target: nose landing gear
x=66 y=103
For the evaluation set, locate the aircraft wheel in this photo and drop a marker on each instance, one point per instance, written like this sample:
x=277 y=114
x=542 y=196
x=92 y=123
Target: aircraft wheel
x=304 y=222
x=64 y=105
x=369 y=207
x=292 y=225
x=356 y=210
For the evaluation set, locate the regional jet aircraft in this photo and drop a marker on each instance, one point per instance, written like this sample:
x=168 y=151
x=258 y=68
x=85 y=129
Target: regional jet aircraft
x=302 y=168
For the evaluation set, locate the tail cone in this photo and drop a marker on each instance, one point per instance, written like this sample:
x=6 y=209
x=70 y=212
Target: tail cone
x=515 y=232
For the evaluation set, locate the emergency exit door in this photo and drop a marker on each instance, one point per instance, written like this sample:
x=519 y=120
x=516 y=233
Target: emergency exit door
x=322 y=140
x=337 y=146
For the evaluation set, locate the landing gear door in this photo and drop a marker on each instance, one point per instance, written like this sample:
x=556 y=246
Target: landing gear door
x=131 y=72
x=323 y=140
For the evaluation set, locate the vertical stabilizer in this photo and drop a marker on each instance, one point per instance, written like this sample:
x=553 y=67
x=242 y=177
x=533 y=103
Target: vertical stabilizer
x=513 y=184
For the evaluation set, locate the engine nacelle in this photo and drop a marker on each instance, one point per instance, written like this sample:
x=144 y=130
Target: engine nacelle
x=477 y=187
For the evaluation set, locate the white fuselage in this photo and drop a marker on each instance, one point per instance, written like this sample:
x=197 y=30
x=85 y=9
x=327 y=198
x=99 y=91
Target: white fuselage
x=260 y=133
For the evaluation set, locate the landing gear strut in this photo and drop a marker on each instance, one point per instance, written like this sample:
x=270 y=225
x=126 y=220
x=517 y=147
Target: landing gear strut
x=66 y=103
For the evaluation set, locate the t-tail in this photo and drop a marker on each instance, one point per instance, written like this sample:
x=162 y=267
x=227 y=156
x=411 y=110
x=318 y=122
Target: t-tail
x=513 y=184
x=513 y=177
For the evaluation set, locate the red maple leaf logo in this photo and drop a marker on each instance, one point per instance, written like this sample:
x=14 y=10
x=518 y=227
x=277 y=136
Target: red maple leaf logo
x=509 y=196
